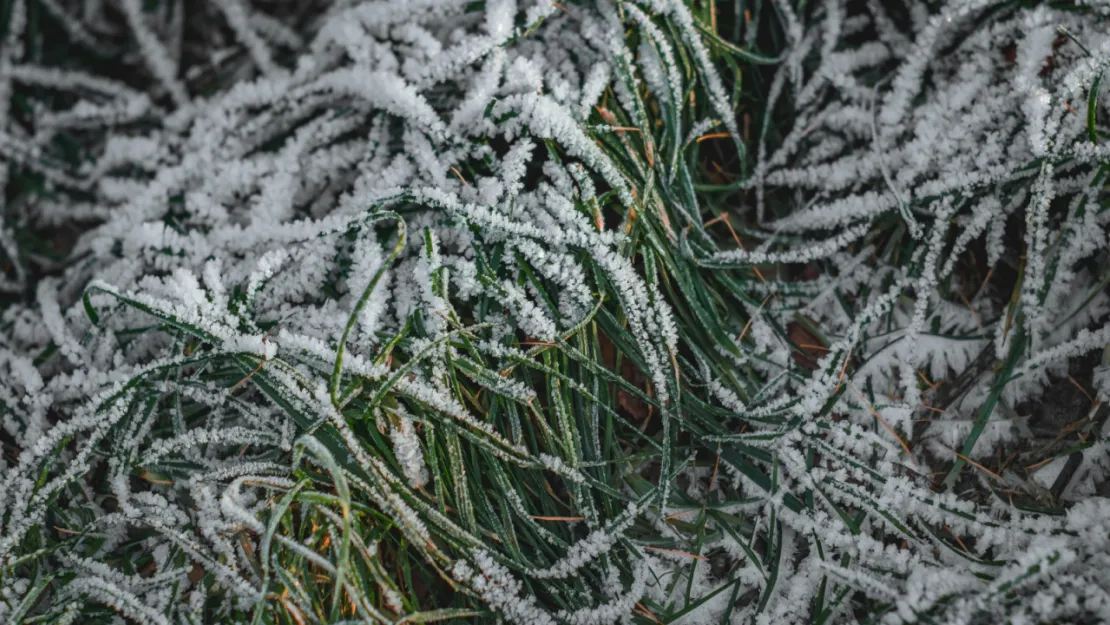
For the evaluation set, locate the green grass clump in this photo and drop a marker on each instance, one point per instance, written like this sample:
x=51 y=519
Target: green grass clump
x=652 y=312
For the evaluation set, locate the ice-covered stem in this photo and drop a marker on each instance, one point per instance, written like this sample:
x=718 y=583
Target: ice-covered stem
x=352 y=320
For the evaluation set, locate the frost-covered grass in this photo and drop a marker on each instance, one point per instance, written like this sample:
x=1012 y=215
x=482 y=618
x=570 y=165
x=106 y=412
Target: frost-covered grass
x=645 y=311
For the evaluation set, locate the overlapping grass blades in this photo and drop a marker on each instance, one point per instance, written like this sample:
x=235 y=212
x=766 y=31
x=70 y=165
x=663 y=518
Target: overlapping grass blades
x=595 y=384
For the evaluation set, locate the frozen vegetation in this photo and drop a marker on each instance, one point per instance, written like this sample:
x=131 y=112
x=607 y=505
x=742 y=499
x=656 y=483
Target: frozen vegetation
x=577 y=313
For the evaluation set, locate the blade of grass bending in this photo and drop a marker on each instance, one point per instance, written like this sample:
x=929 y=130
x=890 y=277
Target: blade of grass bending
x=337 y=371
x=29 y=601
x=1000 y=381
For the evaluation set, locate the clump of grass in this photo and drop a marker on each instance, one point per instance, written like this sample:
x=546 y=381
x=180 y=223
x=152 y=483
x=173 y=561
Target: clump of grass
x=552 y=313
